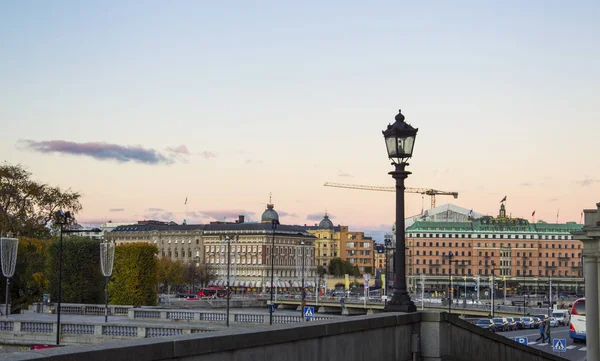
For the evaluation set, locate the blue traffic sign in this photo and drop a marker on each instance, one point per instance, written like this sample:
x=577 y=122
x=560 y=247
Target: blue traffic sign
x=559 y=345
x=309 y=312
x=521 y=340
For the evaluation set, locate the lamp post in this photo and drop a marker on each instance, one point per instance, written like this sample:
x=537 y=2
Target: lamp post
x=450 y=255
x=228 y=238
x=400 y=140
x=62 y=219
x=107 y=257
x=8 y=253
x=388 y=246
x=301 y=258
x=274 y=224
x=492 y=288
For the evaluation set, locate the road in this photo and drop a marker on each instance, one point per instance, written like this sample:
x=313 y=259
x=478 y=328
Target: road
x=575 y=351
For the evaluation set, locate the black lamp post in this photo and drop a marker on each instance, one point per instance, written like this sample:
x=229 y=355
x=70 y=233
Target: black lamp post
x=62 y=219
x=450 y=255
x=228 y=239
x=400 y=140
x=493 y=286
x=274 y=224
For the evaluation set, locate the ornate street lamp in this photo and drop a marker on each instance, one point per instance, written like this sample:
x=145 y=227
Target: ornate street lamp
x=274 y=224
x=107 y=257
x=8 y=251
x=400 y=140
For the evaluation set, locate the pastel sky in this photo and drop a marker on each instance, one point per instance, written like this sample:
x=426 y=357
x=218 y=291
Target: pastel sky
x=138 y=105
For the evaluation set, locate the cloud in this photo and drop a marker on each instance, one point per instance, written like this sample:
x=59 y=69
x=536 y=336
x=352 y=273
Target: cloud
x=552 y=199
x=159 y=216
x=250 y=161
x=317 y=216
x=219 y=215
x=97 y=150
x=208 y=155
x=286 y=214
x=180 y=149
x=116 y=210
x=344 y=174
x=154 y=210
x=587 y=182
x=525 y=184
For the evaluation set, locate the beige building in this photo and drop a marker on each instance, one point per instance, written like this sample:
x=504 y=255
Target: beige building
x=250 y=253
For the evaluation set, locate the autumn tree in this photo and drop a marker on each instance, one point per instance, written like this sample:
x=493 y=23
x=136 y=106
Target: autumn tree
x=170 y=274
x=199 y=274
x=82 y=280
x=134 y=277
x=27 y=207
x=339 y=267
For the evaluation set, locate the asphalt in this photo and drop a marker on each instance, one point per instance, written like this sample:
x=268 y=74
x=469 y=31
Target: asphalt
x=575 y=351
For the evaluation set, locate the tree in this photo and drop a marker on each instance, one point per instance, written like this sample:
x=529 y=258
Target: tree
x=321 y=271
x=134 y=277
x=29 y=281
x=26 y=206
x=199 y=274
x=339 y=267
x=170 y=273
x=82 y=280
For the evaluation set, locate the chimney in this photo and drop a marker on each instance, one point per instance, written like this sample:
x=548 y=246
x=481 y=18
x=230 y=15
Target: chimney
x=241 y=219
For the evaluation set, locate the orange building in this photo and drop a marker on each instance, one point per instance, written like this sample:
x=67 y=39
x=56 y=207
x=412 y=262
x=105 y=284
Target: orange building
x=513 y=249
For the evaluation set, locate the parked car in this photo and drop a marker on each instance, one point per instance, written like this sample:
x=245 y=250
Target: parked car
x=537 y=322
x=486 y=324
x=553 y=322
x=528 y=322
x=519 y=322
x=512 y=324
x=501 y=324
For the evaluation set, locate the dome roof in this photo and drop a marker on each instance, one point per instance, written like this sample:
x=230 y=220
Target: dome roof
x=326 y=223
x=269 y=215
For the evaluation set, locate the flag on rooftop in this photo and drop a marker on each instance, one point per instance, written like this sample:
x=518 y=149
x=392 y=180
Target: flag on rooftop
x=503 y=199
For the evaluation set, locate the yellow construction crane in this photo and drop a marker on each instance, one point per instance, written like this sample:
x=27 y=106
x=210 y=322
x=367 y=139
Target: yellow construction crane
x=427 y=191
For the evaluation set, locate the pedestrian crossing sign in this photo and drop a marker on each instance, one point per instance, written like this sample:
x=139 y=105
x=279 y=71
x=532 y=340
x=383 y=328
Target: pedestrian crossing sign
x=559 y=345
x=309 y=312
x=522 y=340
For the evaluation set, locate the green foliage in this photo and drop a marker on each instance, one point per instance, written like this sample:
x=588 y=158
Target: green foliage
x=29 y=281
x=369 y=270
x=82 y=280
x=134 y=280
x=321 y=271
x=170 y=273
x=339 y=267
x=26 y=206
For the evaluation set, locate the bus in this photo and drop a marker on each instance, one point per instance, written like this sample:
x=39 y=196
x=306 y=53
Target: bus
x=577 y=323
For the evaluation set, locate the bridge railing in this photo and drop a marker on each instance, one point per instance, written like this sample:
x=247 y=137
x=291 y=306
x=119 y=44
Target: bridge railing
x=80 y=309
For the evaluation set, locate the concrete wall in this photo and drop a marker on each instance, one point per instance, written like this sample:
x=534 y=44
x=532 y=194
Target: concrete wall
x=378 y=337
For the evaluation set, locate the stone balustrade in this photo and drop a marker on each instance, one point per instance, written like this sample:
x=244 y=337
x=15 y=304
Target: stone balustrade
x=196 y=315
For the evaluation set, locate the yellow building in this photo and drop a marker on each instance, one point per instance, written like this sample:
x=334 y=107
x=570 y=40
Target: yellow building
x=333 y=242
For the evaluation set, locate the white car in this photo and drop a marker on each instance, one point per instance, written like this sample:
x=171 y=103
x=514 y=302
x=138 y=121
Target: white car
x=553 y=322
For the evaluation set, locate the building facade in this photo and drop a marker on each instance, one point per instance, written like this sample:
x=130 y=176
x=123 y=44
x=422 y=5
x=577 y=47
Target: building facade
x=250 y=254
x=338 y=241
x=512 y=249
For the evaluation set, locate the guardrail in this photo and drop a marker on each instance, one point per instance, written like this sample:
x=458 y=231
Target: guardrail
x=28 y=332
x=80 y=309
x=192 y=315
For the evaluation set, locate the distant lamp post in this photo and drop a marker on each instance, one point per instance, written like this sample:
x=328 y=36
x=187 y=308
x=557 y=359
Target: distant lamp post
x=450 y=290
x=400 y=140
x=107 y=257
x=8 y=250
x=274 y=224
x=301 y=262
x=228 y=239
x=493 y=286
x=389 y=245
x=61 y=219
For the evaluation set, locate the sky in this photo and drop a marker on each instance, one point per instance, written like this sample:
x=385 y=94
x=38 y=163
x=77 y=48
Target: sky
x=140 y=105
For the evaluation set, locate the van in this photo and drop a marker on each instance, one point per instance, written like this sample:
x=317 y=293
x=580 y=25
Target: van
x=562 y=317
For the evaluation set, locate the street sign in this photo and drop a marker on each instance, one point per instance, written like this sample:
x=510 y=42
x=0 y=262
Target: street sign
x=559 y=345
x=309 y=312
x=521 y=340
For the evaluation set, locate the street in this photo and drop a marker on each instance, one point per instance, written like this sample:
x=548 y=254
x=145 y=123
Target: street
x=575 y=351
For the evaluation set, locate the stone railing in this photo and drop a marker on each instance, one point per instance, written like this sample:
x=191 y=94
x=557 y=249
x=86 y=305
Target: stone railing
x=29 y=332
x=194 y=315
x=79 y=309
x=399 y=337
